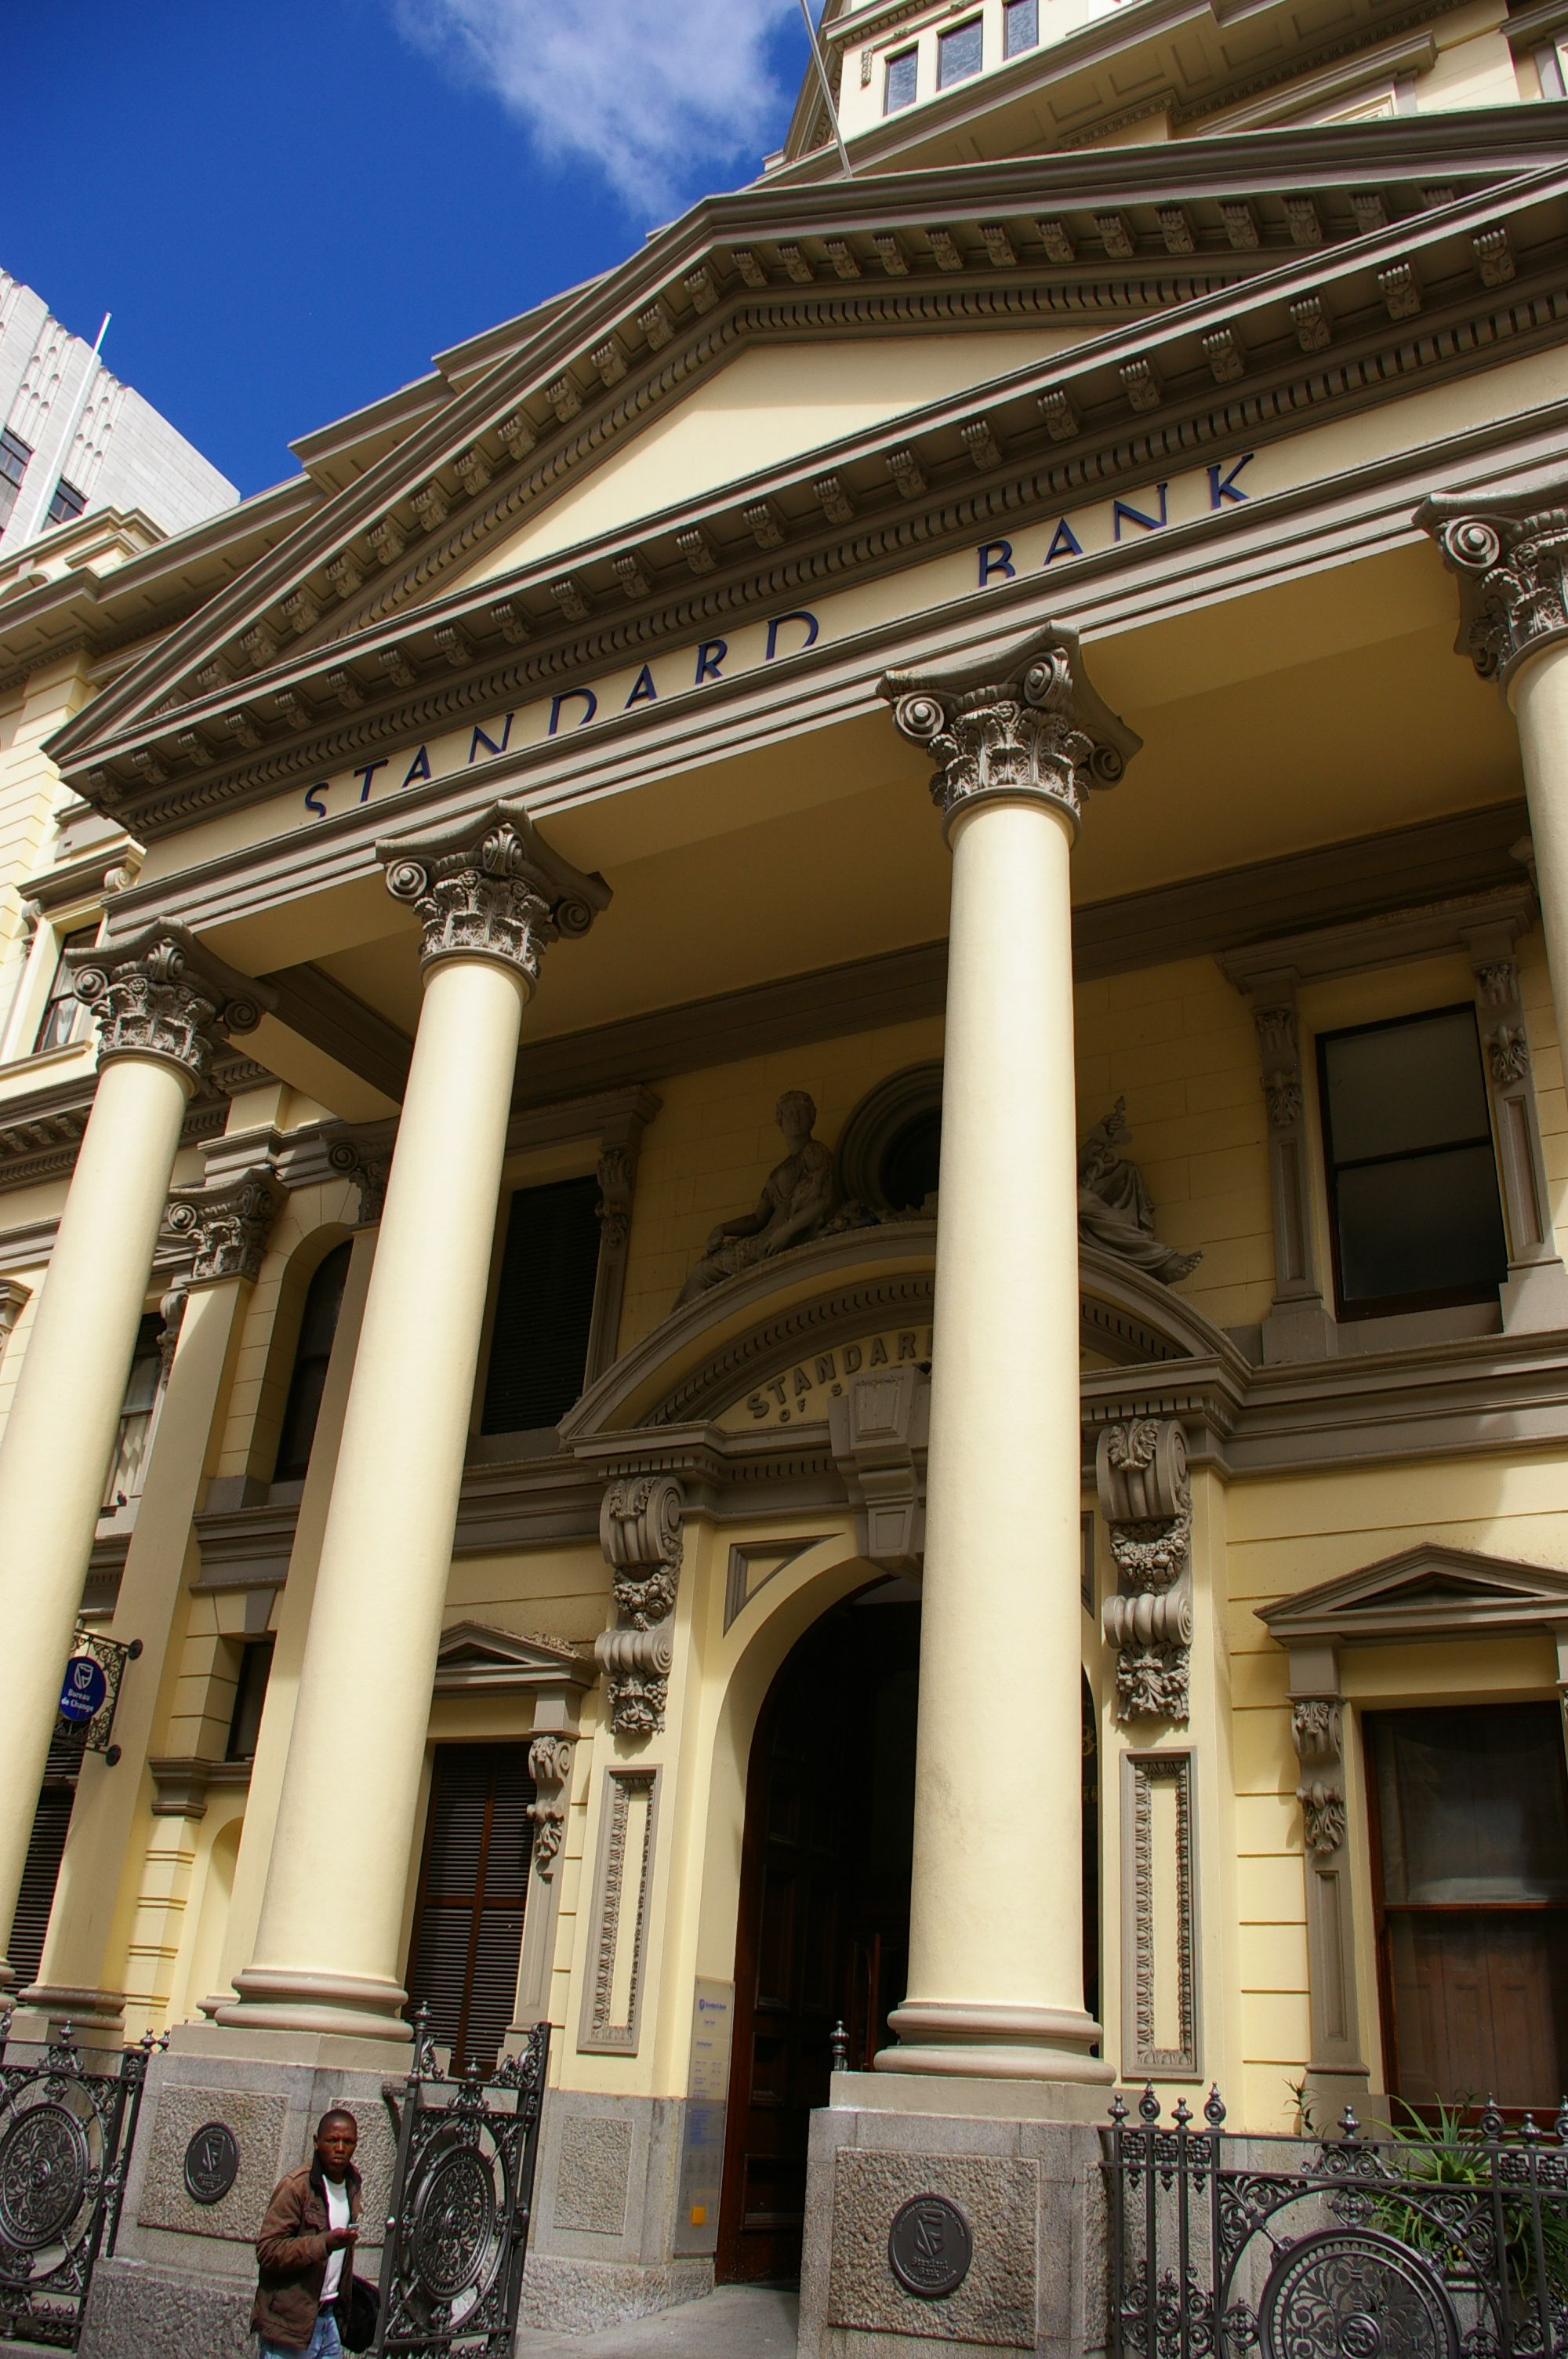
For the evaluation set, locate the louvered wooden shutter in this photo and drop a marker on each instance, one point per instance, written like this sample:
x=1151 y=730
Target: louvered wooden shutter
x=544 y=1307
x=51 y=1823
x=473 y=1882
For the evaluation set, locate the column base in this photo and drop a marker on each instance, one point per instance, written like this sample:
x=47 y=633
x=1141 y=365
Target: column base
x=285 y=1998
x=97 y=2017
x=1003 y=2043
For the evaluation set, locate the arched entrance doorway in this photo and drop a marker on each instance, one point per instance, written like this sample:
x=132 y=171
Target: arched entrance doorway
x=823 y=1930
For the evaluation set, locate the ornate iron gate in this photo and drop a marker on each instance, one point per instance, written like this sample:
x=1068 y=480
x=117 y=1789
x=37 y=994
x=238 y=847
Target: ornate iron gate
x=462 y=2188
x=1417 y=2247
x=65 y=2145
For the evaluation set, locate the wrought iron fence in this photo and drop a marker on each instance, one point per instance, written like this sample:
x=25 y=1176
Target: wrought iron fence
x=462 y=2190
x=1446 y=2247
x=66 y=2132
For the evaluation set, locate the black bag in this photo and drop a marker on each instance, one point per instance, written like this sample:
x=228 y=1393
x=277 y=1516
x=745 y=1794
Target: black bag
x=358 y=2316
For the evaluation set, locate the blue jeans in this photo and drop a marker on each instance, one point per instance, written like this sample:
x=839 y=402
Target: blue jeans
x=323 y=2342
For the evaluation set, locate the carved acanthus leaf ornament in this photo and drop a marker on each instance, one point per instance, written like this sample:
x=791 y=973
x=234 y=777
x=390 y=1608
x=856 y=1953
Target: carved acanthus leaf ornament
x=229 y=1225
x=640 y=1532
x=1508 y=551
x=160 y=994
x=490 y=889
x=550 y=1766
x=1141 y=1475
x=1021 y=720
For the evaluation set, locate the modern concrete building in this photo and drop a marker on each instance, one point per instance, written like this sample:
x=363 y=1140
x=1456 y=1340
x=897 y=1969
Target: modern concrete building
x=750 y=1403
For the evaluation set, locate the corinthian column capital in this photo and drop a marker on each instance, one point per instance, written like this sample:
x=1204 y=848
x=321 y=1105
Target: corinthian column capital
x=490 y=889
x=228 y=1225
x=1508 y=551
x=161 y=993
x=1019 y=720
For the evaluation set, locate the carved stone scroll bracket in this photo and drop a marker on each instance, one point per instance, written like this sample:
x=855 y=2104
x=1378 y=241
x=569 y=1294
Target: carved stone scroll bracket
x=1299 y=1324
x=1508 y=552
x=879 y=1428
x=13 y=1299
x=490 y=889
x=362 y=1153
x=1534 y=1295
x=227 y=1226
x=1020 y=719
x=1317 y=1732
x=1141 y=1474
x=550 y=1767
x=162 y=993
x=640 y=1532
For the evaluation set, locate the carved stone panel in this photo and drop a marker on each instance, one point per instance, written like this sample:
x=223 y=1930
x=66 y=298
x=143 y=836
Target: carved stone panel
x=612 y=2001
x=1140 y=1473
x=1159 y=1902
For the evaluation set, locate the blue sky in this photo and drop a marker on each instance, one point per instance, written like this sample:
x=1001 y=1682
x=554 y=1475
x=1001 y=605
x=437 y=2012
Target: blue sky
x=289 y=208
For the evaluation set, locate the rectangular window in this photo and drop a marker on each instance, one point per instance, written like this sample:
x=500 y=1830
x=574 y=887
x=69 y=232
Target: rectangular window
x=244 y=1725
x=1412 y=1178
x=65 y=1018
x=1020 y=27
x=959 y=53
x=544 y=1307
x=14 y=456
x=1470 y=1845
x=900 y=81
x=124 y=1482
x=67 y=502
x=473 y=1883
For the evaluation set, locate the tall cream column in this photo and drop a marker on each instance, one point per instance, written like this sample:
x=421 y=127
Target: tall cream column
x=1510 y=551
x=490 y=896
x=996 y=1979
x=161 y=1002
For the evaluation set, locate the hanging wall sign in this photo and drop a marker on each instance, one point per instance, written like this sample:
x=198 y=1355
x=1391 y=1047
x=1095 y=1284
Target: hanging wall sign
x=84 y=1689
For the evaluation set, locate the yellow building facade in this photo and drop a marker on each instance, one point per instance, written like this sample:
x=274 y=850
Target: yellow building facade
x=621 y=1532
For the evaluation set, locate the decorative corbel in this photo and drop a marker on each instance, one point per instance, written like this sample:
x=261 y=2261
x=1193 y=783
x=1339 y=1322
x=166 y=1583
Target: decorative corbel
x=619 y=1145
x=171 y=1312
x=1316 y=1733
x=362 y=1153
x=1534 y=1295
x=1298 y=1325
x=640 y=1532
x=877 y=1426
x=1141 y=1474
x=550 y=1767
x=14 y=1298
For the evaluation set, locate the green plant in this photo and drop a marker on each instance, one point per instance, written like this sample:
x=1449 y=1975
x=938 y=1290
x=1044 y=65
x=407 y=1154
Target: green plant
x=1445 y=2152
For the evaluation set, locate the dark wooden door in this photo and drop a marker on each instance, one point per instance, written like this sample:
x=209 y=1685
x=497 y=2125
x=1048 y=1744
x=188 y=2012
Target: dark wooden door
x=824 y=1914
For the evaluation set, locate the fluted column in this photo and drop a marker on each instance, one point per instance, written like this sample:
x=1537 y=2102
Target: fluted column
x=161 y=1002
x=1509 y=553
x=490 y=896
x=996 y=1936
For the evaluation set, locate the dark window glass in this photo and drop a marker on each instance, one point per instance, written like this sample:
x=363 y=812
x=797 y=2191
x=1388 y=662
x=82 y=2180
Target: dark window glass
x=544 y=1307
x=899 y=88
x=46 y=1848
x=912 y=1163
x=1411 y=1173
x=1020 y=27
x=125 y=1468
x=318 y=1325
x=473 y=1883
x=14 y=456
x=244 y=1726
x=959 y=53
x=67 y=502
x=1470 y=1812
x=64 y=1018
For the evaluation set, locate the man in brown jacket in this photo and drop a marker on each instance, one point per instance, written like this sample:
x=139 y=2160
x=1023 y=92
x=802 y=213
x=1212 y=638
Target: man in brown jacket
x=306 y=2249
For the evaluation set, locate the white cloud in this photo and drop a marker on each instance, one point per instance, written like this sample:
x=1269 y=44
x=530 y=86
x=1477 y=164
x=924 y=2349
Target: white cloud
x=654 y=93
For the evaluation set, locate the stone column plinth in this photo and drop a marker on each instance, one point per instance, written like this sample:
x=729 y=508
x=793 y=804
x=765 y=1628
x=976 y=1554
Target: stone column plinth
x=490 y=896
x=161 y=1003
x=995 y=1937
x=1509 y=553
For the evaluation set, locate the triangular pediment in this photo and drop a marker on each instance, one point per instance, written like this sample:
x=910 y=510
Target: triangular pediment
x=1174 y=280
x=474 y=1657
x=1429 y=1591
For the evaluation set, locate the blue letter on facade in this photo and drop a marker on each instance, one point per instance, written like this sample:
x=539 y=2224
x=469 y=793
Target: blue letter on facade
x=1122 y=513
x=1064 y=542
x=709 y=655
x=479 y=738
x=776 y=625
x=1223 y=487
x=645 y=692
x=366 y=773
x=996 y=557
x=419 y=767
x=583 y=696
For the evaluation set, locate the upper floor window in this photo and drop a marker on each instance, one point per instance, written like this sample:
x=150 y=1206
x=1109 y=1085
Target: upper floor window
x=318 y=1325
x=124 y=1482
x=959 y=53
x=1470 y=1862
x=1020 y=27
x=1412 y=1178
x=250 y=1695
x=67 y=502
x=14 y=456
x=900 y=81
x=544 y=1307
x=65 y=1018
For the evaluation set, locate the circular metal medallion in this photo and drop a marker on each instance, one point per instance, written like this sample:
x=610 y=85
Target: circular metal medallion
x=43 y=2175
x=212 y=2163
x=454 y=2223
x=1354 y=2293
x=930 y=2247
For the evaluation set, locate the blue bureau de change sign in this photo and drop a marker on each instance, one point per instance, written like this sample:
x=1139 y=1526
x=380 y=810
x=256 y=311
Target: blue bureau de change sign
x=84 y=1690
